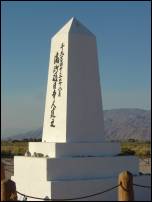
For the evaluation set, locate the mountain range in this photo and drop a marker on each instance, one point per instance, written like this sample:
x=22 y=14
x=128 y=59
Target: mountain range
x=120 y=124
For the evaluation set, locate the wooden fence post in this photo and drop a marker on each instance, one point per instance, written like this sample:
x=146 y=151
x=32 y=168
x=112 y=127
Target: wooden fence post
x=2 y=171
x=3 y=191
x=8 y=190
x=8 y=187
x=125 y=190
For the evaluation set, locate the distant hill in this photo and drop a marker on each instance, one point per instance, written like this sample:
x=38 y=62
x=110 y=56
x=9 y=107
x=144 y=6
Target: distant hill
x=120 y=124
x=34 y=134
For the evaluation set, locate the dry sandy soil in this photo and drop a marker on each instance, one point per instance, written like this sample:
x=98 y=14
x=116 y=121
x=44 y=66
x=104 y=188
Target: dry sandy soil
x=144 y=166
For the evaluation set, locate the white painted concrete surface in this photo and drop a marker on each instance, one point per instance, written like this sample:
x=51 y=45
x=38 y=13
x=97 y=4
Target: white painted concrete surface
x=36 y=169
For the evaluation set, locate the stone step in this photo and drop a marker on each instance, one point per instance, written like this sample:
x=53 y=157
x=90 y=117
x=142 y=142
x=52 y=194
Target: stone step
x=73 y=168
x=75 y=149
x=78 y=188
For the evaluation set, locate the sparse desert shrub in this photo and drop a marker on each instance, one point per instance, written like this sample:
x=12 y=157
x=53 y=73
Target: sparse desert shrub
x=9 y=149
x=139 y=148
x=127 y=151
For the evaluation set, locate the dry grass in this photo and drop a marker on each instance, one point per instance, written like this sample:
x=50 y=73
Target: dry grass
x=141 y=149
x=10 y=149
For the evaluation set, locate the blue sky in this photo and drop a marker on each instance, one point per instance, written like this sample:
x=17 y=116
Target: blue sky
x=123 y=34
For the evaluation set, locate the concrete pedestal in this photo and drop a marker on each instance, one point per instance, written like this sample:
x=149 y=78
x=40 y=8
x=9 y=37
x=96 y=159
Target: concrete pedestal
x=60 y=178
x=54 y=150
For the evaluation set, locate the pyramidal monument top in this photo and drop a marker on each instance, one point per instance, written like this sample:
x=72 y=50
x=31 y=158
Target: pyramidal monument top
x=75 y=26
x=73 y=109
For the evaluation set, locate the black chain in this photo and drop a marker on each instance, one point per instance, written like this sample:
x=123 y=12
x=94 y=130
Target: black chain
x=87 y=196
x=70 y=199
x=138 y=185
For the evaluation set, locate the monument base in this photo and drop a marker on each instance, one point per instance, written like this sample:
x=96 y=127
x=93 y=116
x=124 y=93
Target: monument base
x=74 y=170
x=50 y=169
x=79 y=188
x=54 y=150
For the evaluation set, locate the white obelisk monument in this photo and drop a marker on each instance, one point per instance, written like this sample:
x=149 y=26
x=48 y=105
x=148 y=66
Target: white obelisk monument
x=73 y=110
x=76 y=159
